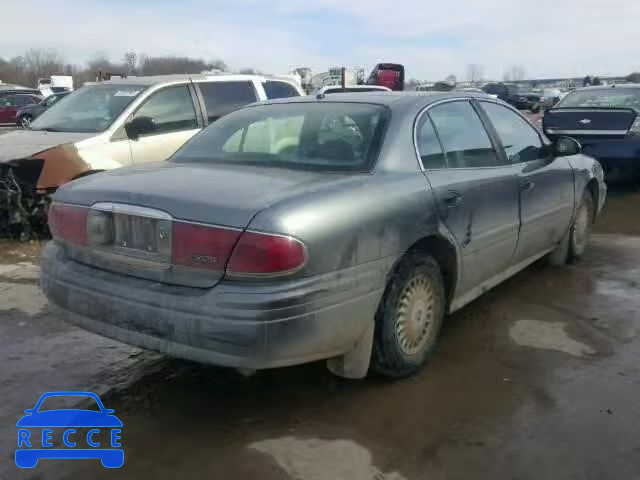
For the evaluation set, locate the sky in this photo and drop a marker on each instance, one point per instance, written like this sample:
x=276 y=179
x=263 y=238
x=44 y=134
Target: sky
x=547 y=38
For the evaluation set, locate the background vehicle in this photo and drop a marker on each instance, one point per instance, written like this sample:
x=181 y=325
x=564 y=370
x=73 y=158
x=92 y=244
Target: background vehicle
x=26 y=114
x=11 y=104
x=19 y=91
x=55 y=84
x=120 y=122
x=518 y=96
x=308 y=229
x=390 y=75
x=550 y=96
x=350 y=89
x=606 y=121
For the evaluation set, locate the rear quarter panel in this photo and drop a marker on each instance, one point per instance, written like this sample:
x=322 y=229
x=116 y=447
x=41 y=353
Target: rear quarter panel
x=366 y=219
x=585 y=170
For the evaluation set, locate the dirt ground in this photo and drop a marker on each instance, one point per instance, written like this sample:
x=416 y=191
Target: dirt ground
x=538 y=379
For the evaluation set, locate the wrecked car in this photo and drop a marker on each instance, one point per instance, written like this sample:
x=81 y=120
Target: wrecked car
x=339 y=228
x=110 y=125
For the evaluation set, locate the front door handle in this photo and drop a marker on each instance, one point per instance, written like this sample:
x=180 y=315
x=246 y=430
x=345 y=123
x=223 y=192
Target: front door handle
x=452 y=198
x=527 y=184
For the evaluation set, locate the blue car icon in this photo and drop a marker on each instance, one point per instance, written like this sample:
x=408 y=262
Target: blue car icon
x=69 y=419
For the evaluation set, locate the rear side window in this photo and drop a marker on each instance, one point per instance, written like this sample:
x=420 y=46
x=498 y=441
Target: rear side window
x=275 y=89
x=519 y=139
x=429 y=148
x=464 y=139
x=221 y=98
x=171 y=110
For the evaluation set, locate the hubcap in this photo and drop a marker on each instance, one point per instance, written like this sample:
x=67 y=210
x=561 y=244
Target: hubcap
x=581 y=228
x=415 y=318
x=26 y=121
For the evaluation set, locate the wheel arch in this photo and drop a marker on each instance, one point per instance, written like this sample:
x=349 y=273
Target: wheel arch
x=443 y=252
x=593 y=188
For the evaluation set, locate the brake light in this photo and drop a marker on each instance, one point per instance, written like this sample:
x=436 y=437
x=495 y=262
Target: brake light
x=635 y=127
x=68 y=223
x=264 y=254
x=202 y=246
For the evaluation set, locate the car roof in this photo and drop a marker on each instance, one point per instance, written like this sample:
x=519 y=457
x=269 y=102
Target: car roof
x=384 y=98
x=220 y=77
x=379 y=88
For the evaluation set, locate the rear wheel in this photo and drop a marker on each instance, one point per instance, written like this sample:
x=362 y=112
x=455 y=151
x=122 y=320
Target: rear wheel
x=410 y=317
x=581 y=228
x=574 y=243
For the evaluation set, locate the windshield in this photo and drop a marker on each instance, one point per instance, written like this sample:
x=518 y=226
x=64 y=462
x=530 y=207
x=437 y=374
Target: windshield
x=603 y=98
x=91 y=109
x=324 y=137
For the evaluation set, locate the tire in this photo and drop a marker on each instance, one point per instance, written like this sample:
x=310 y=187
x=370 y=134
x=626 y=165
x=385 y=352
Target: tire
x=25 y=121
x=409 y=318
x=574 y=243
x=581 y=228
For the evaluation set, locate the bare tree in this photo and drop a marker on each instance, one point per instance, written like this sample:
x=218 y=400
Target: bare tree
x=451 y=78
x=474 y=72
x=633 y=77
x=169 y=64
x=249 y=71
x=34 y=64
x=130 y=59
x=218 y=65
x=514 y=73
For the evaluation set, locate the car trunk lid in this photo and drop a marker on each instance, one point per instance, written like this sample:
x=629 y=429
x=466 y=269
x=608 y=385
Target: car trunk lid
x=136 y=216
x=587 y=122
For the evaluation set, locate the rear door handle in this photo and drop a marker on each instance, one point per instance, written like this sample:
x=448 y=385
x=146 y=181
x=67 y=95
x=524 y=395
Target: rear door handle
x=452 y=198
x=527 y=185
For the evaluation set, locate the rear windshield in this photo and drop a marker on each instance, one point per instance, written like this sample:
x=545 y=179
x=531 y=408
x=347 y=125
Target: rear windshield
x=311 y=136
x=603 y=98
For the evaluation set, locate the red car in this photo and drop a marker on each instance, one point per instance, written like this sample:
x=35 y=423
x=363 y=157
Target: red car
x=10 y=104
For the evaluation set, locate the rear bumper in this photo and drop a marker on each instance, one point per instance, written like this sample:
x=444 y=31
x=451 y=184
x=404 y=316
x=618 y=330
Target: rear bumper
x=234 y=324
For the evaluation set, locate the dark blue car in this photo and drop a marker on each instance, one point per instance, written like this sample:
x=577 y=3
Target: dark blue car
x=28 y=453
x=606 y=121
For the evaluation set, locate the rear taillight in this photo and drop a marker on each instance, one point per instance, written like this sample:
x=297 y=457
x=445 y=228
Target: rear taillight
x=635 y=126
x=68 y=223
x=202 y=246
x=243 y=254
x=258 y=254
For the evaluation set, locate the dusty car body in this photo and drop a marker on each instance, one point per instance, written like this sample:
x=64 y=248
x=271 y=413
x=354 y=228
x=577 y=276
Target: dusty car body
x=297 y=248
x=113 y=124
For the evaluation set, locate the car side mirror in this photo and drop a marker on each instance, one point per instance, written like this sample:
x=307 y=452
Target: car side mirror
x=566 y=146
x=29 y=410
x=109 y=411
x=139 y=126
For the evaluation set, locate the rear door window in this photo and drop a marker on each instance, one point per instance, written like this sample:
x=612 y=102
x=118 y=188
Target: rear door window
x=429 y=149
x=519 y=139
x=465 y=141
x=276 y=89
x=221 y=98
x=171 y=110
